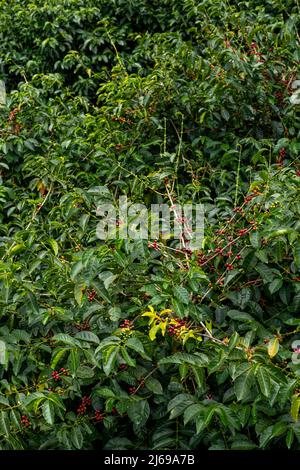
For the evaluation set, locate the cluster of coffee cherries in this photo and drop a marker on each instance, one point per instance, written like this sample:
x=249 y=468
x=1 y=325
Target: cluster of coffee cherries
x=84 y=326
x=122 y=120
x=91 y=295
x=126 y=324
x=281 y=156
x=122 y=367
x=25 y=421
x=56 y=375
x=254 y=51
x=132 y=390
x=12 y=114
x=85 y=402
x=174 y=330
x=153 y=245
x=98 y=416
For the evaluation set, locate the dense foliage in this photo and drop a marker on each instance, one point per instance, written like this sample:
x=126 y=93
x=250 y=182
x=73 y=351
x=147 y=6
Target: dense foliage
x=124 y=344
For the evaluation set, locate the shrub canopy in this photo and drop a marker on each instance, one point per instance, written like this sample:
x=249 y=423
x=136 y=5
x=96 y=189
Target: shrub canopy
x=121 y=344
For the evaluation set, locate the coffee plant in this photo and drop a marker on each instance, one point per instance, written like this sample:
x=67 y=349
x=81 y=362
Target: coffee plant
x=135 y=344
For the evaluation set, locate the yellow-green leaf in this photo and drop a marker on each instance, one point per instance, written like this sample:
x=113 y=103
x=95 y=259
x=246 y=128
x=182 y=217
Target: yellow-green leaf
x=153 y=332
x=54 y=246
x=295 y=405
x=152 y=316
x=163 y=326
x=78 y=293
x=273 y=347
x=17 y=248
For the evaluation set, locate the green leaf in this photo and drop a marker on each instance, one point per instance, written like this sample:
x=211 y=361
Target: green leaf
x=57 y=357
x=225 y=114
x=264 y=382
x=78 y=292
x=88 y=336
x=182 y=294
x=230 y=276
x=243 y=385
x=209 y=413
x=241 y=316
x=15 y=419
x=4 y=401
x=289 y=438
x=115 y=313
x=192 y=412
x=109 y=358
x=275 y=285
x=270 y=432
x=197 y=359
x=66 y=339
x=267 y=274
x=18 y=248
x=85 y=372
x=242 y=443
x=48 y=412
x=136 y=345
x=154 y=386
x=262 y=256
x=296 y=254
x=109 y=341
x=273 y=347
x=4 y=423
x=2 y=352
x=233 y=341
x=77 y=437
x=179 y=308
x=76 y=269
x=139 y=412
x=128 y=360
x=104 y=392
x=255 y=239
x=295 y=405
x=73 y=361
x=29 y=399
x=178 y=404
x=54 y=246
x=56 y=400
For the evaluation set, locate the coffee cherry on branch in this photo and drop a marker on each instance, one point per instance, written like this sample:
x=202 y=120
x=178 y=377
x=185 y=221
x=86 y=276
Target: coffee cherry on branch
x=91 y=295
x=55 y=375
x=126 y=324
x=229 y=266
x=25 y=421
x=64 y=371
x=81 y=409
x=85 y=402
x=98 y=416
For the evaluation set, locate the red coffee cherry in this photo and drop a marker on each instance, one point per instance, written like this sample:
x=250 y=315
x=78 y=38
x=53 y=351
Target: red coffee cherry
x=55 y=375
x=25 y=421
x=98 y=416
